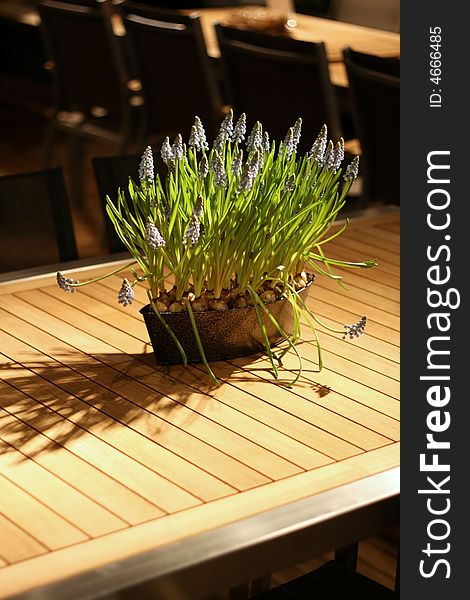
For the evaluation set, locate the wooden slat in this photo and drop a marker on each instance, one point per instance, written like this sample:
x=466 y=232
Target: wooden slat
x=360 y=279
x=365 y=298
x=208 y=516
x=354 y=352
x=69 y=503
x=73 y=421
x=283 y=421
x=259 y=369
x=120 y=466
x=105 y=490
x=386 y=273
x=42 y=523
x=393 y=226
x=376 y=315
x=383 y=235
x=20 y=544
x=379 y=339
x=302 y=403
x=232 y=470
x=376 y=238
x=347 y=243
x=344 y=372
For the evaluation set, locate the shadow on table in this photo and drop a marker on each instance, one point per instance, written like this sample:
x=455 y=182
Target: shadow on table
x=61 y=403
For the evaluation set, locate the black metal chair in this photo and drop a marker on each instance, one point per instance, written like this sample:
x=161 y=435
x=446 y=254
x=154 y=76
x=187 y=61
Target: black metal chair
x=93 y=90
x=276 y=79
x=35 y=221
x=375 y=98
x=112 y=173
x=171 y=61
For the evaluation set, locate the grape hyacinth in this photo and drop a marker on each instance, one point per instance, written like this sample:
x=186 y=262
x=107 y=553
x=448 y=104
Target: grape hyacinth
x=317 y=151
x=227 y=125
x=198 y=208
x=192 y=232
x=220 y=176
x=260 y=159
x=65 y=283
x=266 y=145
x=352 y=170
x=153 y=236
x=239 y=130
x=146 y=169
x=287 y=145
x=237 y=163
x=356 y=329
x=201 y=134
x=177 y=149
x=167 y=155
x=289 y=186
x=250 y=170
x=126 y=293
x=193 y=141
x=296 y=131
x=339 y=154
x=329 y=157
x=203 y=167
x=255 y=139
x=219 y=142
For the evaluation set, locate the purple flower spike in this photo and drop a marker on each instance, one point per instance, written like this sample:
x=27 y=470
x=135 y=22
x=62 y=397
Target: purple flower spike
x=153 y=236
x=66 y=284
x=126 y=293
x=356 y=329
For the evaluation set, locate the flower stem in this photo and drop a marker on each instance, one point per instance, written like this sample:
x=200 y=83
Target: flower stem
x=199 y=343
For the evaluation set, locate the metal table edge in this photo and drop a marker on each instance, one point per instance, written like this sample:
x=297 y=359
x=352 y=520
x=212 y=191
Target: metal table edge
x=207 y=563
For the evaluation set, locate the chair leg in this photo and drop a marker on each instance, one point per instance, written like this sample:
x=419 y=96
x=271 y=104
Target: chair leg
x=347 y=557
x=397 y=577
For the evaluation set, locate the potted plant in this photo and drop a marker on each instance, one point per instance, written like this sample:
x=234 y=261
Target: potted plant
x=230 y=242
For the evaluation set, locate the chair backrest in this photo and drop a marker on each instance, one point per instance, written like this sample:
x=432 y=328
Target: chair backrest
x=176 y=74
x=23 y=78
x=111 y=174
x=35 y=221
x=276 y=79
x=89 y=70
x=382 y=14
x=375 y=97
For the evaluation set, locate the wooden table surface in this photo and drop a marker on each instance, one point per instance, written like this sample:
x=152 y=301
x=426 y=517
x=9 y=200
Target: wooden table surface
x=335 y=34
x=104 y=455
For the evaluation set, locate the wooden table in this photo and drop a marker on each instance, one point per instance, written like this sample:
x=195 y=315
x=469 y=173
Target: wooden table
x=114 y=470
x=335 y=34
